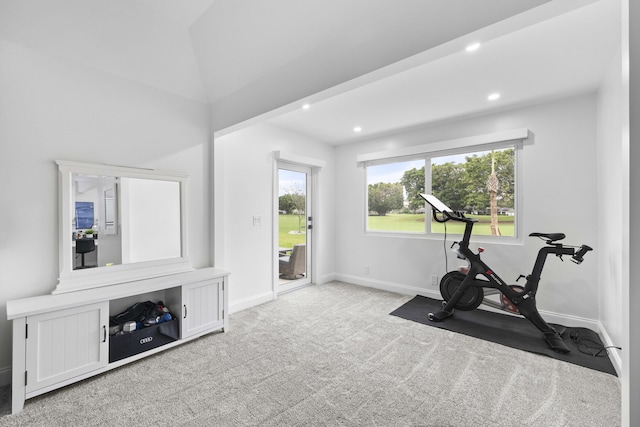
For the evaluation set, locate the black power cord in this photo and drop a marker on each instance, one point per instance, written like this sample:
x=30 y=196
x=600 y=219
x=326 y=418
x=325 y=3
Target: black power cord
x=591 y=347
x=444 y=246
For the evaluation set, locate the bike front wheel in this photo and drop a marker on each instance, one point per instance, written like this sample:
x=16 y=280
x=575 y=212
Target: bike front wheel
x=472 y=296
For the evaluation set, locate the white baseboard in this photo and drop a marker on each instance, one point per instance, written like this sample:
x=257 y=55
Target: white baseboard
x=614 y=354
x=326 y=279
x=243 y=304
x=551 y=317
x=397 y=288
x=5 y=376
x=569 y=320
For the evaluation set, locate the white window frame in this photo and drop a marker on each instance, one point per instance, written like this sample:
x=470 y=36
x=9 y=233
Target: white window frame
x=500 y=140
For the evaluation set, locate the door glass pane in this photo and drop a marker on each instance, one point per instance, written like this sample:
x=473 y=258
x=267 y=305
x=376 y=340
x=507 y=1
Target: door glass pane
x=292 y=219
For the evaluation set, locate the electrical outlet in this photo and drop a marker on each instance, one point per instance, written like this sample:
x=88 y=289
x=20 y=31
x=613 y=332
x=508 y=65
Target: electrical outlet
x=366 y=269
x=434 y=280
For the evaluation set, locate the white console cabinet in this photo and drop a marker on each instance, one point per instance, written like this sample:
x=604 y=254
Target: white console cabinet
x=63 y=338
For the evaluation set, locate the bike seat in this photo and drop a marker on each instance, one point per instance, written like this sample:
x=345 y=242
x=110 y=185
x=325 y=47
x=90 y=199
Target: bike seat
x=551 y=237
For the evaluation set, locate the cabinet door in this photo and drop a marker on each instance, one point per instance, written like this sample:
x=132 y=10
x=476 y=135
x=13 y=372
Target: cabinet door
x=202 y=307
x=66 y=343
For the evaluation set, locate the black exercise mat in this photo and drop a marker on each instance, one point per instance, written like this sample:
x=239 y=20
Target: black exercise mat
x=512 y=331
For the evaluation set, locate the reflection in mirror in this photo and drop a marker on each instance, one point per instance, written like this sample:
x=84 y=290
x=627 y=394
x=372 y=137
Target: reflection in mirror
x=87 y=224
x=119 y=224
x=110 y=210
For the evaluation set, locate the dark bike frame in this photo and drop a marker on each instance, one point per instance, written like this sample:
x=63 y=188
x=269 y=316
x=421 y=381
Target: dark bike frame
x=525 y=300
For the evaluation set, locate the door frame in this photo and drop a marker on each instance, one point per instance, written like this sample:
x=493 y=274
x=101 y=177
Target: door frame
x=311 y=172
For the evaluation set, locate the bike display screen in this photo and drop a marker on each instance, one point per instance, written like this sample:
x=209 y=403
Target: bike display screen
x=436 y=203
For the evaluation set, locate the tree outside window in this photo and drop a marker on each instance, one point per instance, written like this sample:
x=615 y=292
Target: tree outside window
x=464 y=182
x=389 y=207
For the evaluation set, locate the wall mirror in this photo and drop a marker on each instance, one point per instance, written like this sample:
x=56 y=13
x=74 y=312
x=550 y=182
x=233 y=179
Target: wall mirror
x=119 y=224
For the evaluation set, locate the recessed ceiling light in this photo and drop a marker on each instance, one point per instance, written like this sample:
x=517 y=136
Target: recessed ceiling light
x=493 y=96
x=472 y=47
x=357 y=129
x=306 y=106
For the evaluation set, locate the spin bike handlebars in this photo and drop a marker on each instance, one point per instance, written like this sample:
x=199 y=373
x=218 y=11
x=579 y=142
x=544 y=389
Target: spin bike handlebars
x=578 y=257
x=454 y=215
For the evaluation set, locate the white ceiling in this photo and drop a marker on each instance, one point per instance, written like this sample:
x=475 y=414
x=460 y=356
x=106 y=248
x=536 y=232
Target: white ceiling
x=241 y=42
x=258 y=55
x=137 y=40
x=183 y=13
x=380 y=64
x=558 y=57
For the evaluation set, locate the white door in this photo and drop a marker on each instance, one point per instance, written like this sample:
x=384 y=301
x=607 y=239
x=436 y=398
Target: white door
x=295 y=225
x=66 y=343
x=202 y=307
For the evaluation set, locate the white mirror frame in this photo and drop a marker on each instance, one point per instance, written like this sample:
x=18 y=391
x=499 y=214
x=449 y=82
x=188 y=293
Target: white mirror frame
x=73 y=280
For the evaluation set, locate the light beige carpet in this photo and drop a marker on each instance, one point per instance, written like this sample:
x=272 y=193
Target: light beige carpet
x=331 y=355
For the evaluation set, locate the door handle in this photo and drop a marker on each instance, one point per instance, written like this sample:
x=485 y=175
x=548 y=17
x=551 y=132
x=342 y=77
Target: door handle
x=104 y=333
x=185 y=311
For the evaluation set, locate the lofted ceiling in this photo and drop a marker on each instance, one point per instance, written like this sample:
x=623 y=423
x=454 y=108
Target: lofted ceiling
x=137 y=40
x=183 y=13
x=383 y=65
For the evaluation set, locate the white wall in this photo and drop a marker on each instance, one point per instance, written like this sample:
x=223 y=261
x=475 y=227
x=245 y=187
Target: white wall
x=559 y=178
x=609 y=194
x=244 y=169
x=52 y=108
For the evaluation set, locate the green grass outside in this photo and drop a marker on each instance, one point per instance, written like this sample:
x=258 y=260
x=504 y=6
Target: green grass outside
x=414 y=223
x=290 y=223
x=408 y=223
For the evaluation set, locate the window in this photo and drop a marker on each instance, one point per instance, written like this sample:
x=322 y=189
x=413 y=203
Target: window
x=479 y=181
x=392 y=189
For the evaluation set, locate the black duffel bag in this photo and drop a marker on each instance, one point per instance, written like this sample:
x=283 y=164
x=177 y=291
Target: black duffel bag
x=138 y=312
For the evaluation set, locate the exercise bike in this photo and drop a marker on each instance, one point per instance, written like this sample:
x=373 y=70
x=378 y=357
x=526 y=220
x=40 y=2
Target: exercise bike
x=465 y=290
